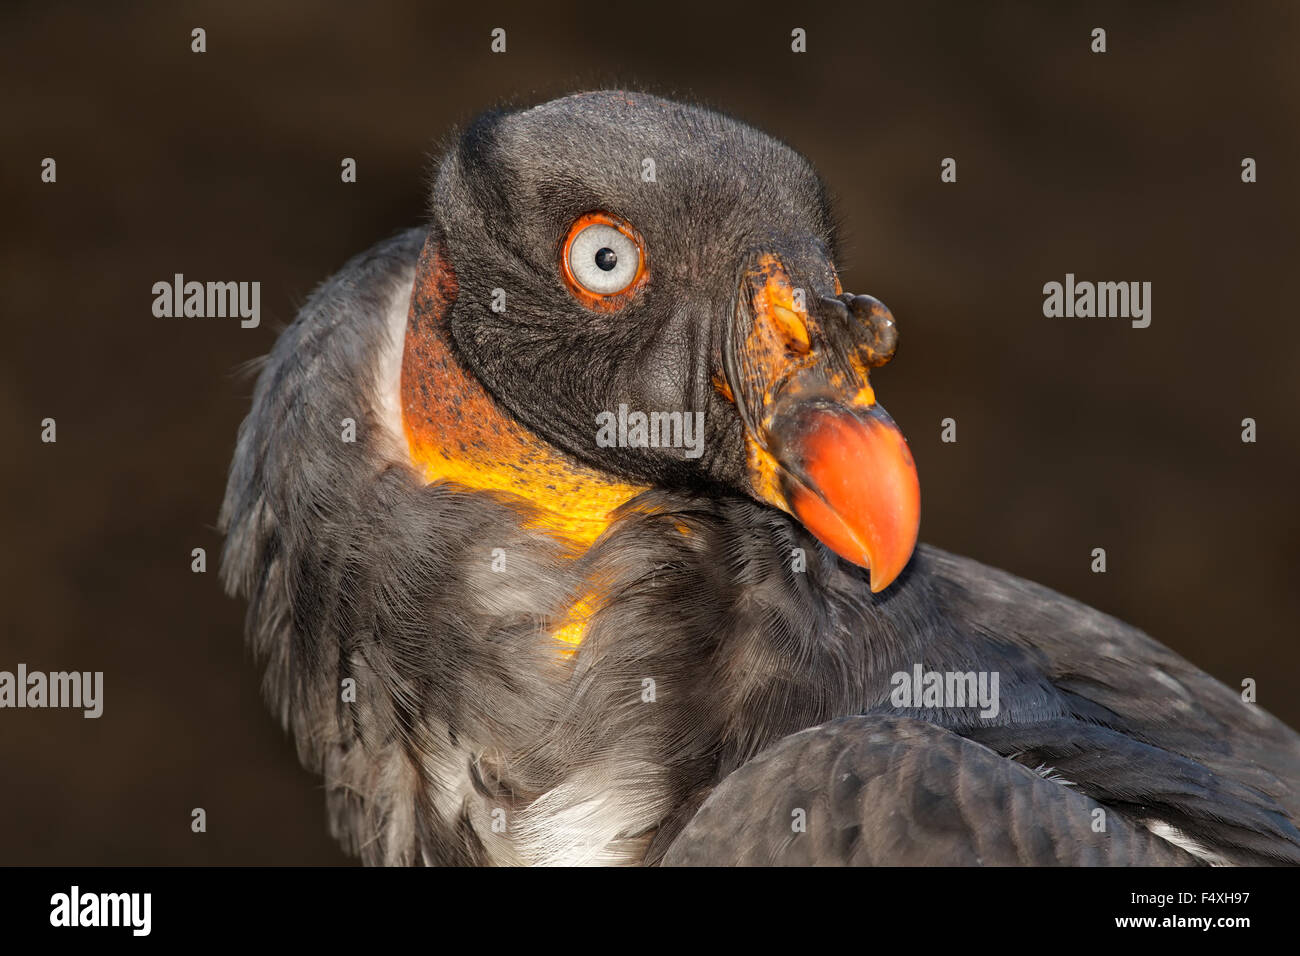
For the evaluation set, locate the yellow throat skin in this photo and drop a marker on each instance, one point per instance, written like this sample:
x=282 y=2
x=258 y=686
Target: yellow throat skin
x=456 y=432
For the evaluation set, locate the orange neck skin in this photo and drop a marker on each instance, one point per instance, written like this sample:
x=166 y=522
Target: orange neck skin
x=456 y=431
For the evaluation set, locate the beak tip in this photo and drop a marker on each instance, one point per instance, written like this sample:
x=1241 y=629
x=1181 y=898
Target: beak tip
x=883 y=577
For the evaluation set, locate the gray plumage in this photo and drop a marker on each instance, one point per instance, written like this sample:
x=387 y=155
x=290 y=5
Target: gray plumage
x=470 y=742
x=893 y=791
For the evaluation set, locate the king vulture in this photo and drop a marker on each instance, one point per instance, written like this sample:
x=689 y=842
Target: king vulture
x=572 y=531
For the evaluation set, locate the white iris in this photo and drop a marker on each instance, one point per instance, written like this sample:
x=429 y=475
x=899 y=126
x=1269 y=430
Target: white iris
x=603 y=259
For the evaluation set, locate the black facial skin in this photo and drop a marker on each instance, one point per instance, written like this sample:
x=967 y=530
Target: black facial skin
x=505 y=199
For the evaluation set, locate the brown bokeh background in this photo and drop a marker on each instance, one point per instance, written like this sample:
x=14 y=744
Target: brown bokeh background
x=1073 y=433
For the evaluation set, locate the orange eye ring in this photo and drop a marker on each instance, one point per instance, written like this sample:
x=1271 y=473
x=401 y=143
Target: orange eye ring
x=603 y=301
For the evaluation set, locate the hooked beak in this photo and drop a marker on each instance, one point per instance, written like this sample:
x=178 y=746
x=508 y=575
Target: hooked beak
x=818 y=445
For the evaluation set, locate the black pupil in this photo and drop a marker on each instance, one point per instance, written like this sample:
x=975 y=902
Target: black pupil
x=606 y=259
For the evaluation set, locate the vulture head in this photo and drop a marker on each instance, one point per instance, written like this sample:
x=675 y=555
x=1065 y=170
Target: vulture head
x=572 y=531
x=647 y=291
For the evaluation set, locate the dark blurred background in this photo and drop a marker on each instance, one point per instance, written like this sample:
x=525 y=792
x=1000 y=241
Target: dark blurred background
x=1073 y=433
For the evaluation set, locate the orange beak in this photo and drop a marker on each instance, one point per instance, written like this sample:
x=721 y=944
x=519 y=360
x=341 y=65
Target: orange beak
x=851 y=481
x=819 y=446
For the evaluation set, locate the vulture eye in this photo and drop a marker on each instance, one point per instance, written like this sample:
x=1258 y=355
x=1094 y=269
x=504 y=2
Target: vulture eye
x=603 y=261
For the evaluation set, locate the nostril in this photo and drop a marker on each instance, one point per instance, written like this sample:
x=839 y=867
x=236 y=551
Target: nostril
x=793 y=329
